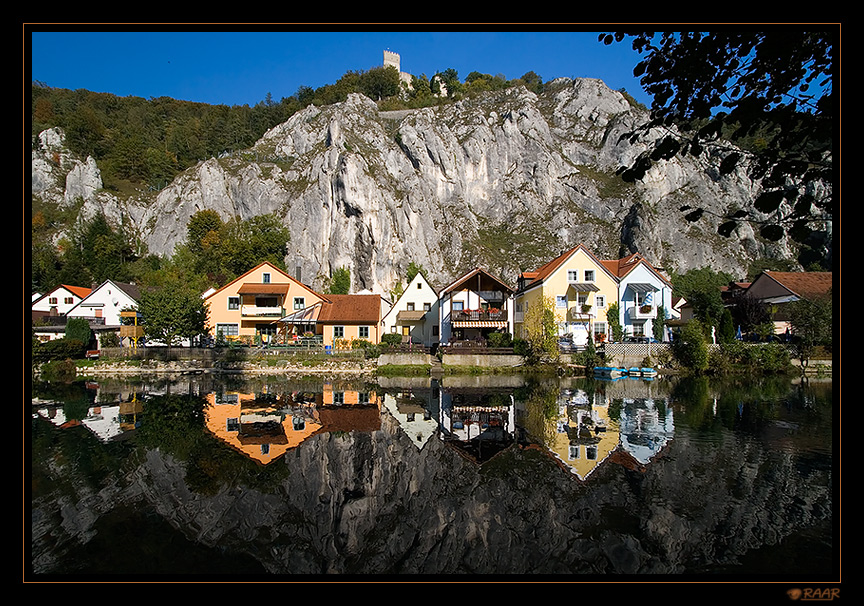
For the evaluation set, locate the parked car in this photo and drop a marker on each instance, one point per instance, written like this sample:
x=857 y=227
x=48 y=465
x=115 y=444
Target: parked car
x=640 y=339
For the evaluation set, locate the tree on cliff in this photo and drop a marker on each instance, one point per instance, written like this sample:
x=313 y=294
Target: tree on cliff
x=768 y=92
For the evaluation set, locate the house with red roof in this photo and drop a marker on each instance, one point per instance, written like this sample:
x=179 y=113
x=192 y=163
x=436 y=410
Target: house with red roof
x=581 y=288
x=644 y=295
x=776 y=289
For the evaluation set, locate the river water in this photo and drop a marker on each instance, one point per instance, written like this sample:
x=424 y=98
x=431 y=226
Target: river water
x=415 y=478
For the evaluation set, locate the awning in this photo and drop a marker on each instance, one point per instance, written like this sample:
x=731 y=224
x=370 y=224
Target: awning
x=252 y=288
x=480 y=324
x=641 y=287
x=410 y=316
x=584 y=286
x=307 y=315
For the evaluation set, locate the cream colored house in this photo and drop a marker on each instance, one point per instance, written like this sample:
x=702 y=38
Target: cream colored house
x=415 y=313
x=581 y=289
x=252 y=304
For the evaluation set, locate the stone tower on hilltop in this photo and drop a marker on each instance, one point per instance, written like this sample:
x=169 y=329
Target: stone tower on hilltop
x=393 y=59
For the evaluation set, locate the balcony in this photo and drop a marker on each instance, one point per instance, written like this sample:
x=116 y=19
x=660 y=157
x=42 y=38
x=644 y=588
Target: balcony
x=643 y=312
x=469 y=317
x=257 y=311
x=581 y=313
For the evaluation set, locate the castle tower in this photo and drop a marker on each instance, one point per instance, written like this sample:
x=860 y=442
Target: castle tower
x=391 y=58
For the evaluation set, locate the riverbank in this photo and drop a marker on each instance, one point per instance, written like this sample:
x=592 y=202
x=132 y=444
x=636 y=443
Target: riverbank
x=357 y=364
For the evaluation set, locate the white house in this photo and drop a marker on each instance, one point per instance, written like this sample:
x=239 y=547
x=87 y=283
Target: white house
x=103 y=305
x=415 y=314
x=642 y=289
x=60 y=300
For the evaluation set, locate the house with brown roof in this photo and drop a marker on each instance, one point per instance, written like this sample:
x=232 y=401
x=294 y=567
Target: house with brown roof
x=779 y=288
x=348 y=317
x=581 y=288
x=474 y=305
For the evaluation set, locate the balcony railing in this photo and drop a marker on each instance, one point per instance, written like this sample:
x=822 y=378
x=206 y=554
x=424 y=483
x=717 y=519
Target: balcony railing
x=643 y=312
x=254 y=311
x=479 y=315
x=578 y=313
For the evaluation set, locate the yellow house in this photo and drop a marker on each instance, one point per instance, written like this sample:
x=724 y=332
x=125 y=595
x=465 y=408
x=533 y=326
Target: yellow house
x=253 y=303
x=581 y=289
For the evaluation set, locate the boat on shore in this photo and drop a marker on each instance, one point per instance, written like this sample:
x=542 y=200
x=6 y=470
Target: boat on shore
x=611 y=372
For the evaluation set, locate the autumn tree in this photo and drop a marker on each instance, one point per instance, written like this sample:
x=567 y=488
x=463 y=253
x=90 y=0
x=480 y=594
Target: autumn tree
x=540 y=330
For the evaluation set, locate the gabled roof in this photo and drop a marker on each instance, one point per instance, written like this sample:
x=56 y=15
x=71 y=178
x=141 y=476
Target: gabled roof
x=620 y=268
x=395 y=306
x=130 y=290
x=805 y=285
x=241 y=277
x=549 y=268
x=480 y=274
x=78 y=291
x=351 y=309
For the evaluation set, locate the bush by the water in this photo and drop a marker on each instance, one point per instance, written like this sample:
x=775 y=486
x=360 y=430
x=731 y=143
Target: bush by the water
x=58 y=349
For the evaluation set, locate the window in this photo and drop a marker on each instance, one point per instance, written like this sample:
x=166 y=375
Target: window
x=52 y=300
x=228 y=330
x=265 y=278
x=561 y=301
x=338 y=332
x=458 y=305
x=299 y=302
x=573 y=276
x=589 y=275
x=600 y=328
x=409 y=306
x=266 y=302
x=68 y=300
x=427 y=306
x=419 y=285
x=233 y=302
x=363 y=332
x=600 y=300
x=338 y=397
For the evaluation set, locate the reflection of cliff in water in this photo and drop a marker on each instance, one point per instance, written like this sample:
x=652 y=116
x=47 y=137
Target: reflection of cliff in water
x=382 y=501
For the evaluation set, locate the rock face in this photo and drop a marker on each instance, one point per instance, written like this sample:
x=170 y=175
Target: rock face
x=505 y=181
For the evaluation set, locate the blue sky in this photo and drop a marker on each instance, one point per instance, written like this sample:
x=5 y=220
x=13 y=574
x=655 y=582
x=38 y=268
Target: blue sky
x=241 y=67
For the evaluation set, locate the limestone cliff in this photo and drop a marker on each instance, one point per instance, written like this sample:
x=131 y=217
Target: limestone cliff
x=506 y=180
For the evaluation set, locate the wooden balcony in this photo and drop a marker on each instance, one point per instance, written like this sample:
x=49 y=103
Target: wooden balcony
x=479 y=315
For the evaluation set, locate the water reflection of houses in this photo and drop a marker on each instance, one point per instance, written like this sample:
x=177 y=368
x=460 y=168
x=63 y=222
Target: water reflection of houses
x=478 y=422
x=647 y=426
x=415 y=407
x=265 y=425
x=584 y=435
x=620 y=423
x=111 y=417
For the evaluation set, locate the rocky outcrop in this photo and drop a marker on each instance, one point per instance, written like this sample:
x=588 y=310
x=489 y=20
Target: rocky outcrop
x=506 y=180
